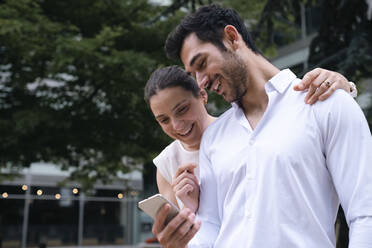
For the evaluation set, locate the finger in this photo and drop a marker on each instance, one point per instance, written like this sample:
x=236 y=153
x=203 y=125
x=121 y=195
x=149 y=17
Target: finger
x=160 y=219
x=174 y=224
x=184 y=175
x=315 y=84
x=323 y=88
x=184 y=183
x=331 y=79
x=195 y=228
x=341 y=83
x=184 y=228
x=328 y=93
x=194 y=178
x=186 y=167
x=184 y=191
x=307 y=79
x=320 y=90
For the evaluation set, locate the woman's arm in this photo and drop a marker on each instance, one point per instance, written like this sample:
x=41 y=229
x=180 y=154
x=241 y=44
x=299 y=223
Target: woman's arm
x=165 y=188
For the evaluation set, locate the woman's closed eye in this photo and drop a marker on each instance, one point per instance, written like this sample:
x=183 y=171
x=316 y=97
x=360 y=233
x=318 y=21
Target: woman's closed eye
x=182 y=110
x=163 y=120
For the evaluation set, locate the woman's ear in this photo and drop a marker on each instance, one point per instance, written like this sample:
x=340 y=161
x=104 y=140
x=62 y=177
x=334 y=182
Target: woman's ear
x=204 y=96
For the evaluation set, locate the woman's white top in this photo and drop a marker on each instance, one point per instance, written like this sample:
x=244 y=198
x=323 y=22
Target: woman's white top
x=172 y=157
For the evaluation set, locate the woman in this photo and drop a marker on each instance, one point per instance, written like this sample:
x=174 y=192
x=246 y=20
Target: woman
x=178 y=105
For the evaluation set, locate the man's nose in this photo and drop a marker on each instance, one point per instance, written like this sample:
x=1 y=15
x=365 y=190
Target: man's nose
x=202 y=80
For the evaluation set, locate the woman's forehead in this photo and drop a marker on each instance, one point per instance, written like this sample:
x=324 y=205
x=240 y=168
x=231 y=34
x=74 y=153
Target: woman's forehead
x=169 y=97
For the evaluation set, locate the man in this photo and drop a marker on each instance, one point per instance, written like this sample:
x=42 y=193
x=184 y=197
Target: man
x=273 y=169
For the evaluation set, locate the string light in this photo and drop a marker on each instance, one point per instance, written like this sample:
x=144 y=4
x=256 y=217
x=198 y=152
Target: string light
x=5 y=195
x=75 y=191
x=58 y=196
x=39 y=192
x=120 y=196
x=24 y=187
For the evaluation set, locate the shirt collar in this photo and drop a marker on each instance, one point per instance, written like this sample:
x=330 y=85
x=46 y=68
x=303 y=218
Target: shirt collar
x=280 y=81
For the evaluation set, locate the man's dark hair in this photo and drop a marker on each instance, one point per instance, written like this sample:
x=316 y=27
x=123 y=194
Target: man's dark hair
x=208 y=23
x=167 y=77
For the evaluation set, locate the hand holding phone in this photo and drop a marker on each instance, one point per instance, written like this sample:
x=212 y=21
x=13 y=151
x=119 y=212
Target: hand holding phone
x=152 y=205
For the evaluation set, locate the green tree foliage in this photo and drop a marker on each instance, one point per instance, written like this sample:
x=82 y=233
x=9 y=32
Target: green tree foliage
x=72 y=72
x=344 y=41
x=72 y=76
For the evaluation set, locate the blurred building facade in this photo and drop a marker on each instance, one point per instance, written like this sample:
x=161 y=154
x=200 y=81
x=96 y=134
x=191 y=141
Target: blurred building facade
x=36 y=211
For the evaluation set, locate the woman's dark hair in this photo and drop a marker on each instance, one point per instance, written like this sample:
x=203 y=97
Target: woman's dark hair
x=167 y=77
x=208 y=23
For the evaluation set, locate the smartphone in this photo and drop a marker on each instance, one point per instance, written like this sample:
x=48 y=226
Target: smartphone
x=152 y=205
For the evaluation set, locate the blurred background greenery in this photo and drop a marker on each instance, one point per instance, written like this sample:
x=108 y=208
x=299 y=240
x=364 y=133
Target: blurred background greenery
x=72 y=73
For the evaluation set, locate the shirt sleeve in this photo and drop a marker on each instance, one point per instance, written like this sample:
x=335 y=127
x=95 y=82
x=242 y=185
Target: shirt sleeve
x=208 y=207
x=348 y=150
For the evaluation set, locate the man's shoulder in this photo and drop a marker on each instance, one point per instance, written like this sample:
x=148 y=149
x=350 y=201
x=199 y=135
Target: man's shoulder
x=220 y=121
x=338 y=101
x=339 y=109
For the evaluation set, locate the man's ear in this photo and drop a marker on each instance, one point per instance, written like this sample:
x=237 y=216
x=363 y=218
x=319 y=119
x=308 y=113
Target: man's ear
x=231 y=36
x=204 y=96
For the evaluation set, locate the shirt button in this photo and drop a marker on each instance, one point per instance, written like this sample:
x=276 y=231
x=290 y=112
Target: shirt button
x=251 y=142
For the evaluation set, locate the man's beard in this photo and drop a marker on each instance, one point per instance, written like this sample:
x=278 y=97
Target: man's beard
x=235 y=73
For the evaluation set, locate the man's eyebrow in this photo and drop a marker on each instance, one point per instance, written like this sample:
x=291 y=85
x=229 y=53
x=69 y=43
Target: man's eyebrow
x=194 y=59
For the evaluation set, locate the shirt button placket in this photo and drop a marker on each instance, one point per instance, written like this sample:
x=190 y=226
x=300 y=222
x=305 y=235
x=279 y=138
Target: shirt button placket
x=249 y=178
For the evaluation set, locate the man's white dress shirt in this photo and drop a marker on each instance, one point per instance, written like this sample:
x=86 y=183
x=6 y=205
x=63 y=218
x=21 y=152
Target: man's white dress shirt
x=280 y=184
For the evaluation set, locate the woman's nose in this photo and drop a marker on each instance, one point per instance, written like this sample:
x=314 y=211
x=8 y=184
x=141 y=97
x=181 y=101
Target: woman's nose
x=178 y=124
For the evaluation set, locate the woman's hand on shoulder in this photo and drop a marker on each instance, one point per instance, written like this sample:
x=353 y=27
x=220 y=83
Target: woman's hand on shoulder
x=322 y=84
x=185 y=186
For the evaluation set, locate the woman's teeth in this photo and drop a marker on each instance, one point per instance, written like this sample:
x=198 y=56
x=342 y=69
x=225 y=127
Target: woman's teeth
x=186 y=132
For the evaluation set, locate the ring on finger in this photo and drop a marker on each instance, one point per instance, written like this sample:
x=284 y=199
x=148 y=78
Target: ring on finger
x=327 y=84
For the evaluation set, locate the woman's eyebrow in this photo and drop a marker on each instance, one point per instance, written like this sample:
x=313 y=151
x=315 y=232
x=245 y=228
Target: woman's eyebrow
x=178 y=104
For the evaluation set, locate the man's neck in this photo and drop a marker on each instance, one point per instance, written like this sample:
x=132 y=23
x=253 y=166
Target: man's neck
x=255 y=101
